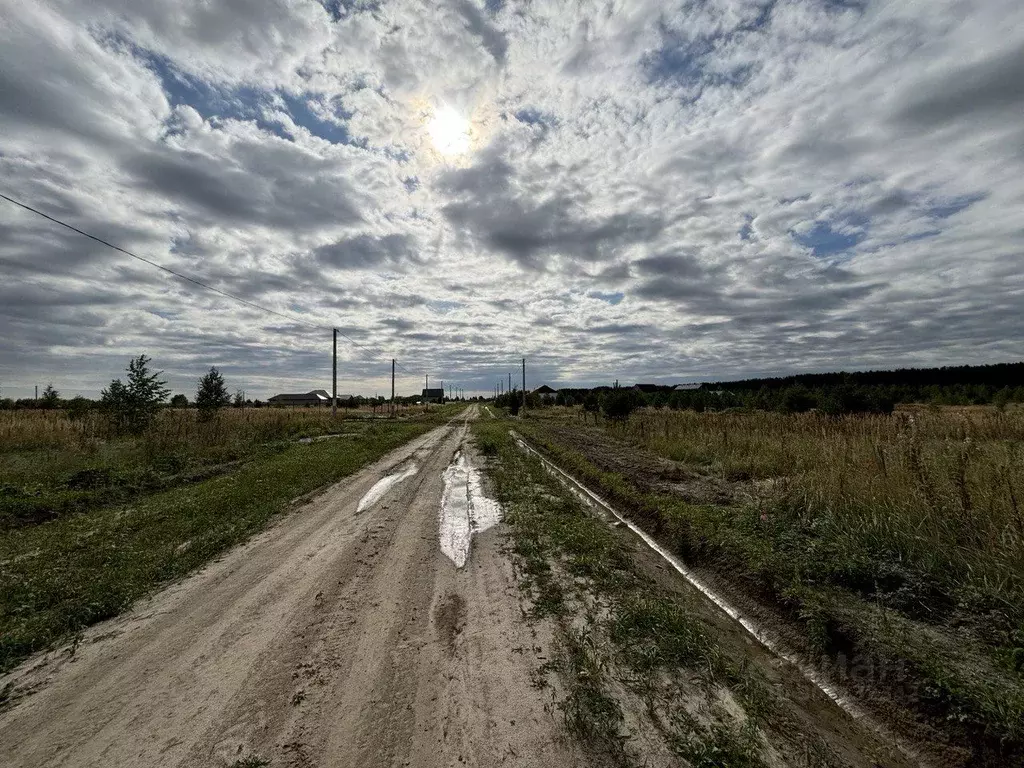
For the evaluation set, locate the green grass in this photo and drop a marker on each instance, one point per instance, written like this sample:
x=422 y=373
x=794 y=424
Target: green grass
x=618 y=629
x=59 y=577
x=52 y=466
x=852 y=593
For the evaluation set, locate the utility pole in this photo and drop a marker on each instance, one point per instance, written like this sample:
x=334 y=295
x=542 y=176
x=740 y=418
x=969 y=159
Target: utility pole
x=426 y=393
x=37 y=391
x=334 y=385
x=442 y=391
x=524 y=383
x=510 y=382
x=392 y=386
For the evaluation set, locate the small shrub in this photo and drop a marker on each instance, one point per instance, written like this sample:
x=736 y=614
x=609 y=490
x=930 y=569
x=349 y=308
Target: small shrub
x=78 y=408
x=211 y=395
x=90 y=479
x=620 y=403
x=132 y=407
x=50 y=398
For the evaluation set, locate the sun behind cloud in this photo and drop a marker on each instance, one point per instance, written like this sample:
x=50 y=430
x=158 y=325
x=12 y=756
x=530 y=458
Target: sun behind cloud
x=450 y=132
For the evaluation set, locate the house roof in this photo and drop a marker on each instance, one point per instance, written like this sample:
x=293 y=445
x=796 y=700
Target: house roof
x=314 y=396
x=433 y=393
x=544 y=389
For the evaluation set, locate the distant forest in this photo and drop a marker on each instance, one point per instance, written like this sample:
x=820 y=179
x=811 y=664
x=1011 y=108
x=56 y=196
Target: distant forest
x=997 y=384
x=836 y=393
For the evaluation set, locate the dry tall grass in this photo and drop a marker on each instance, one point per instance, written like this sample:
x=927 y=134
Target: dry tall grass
x=42 y=448
x=38 y=429
x=942 y=488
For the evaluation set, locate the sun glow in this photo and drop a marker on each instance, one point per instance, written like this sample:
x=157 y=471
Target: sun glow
x=449 y=131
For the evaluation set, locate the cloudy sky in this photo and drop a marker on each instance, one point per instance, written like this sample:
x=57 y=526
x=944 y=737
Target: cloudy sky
x=634 y=190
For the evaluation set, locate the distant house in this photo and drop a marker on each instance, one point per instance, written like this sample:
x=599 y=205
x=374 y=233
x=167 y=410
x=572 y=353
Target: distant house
x=317 y=397
x=686 y=387
x=545 y=392
x=433 y=395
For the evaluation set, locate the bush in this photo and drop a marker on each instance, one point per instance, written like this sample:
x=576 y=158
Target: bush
x=620 y=403
x=846 y=399
x=50 y=398
x=131 y=407
x=211 y=395
x=78 y=408
x=796 y=400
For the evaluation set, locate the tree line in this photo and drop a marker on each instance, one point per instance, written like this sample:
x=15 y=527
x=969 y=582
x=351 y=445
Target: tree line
x=131 y=405
x=828 y=393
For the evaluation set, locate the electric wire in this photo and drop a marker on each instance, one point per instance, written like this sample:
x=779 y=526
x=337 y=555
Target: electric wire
x=193 y=280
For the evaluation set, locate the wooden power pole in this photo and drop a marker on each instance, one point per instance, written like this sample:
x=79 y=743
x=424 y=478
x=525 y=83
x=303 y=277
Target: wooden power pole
x=334 y=385
x=392 y=386
x=524 y=383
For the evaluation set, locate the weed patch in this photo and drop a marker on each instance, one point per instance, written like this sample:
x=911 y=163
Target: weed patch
x=859 y=591
x=623 y=641
x=61 y=576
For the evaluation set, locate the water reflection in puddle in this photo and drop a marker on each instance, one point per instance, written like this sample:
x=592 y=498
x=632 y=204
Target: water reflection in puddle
x=383 y=485
x=465 y=509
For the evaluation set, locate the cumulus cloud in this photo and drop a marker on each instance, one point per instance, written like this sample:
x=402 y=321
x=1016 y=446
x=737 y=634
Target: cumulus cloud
x=703 y=189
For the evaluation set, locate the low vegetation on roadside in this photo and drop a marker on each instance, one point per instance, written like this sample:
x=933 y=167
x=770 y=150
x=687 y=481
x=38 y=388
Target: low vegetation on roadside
x=895 y=540
x=643 y=674
x=93 y=523
x=55 y=462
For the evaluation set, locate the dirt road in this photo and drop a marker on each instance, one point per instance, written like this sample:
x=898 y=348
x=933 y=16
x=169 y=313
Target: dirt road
x=345 y=635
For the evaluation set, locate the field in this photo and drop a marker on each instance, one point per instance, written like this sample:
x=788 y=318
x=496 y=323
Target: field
x=884 y=552
x=89 y=523
x=889 y=547
x=652 y=673
x=51 y=464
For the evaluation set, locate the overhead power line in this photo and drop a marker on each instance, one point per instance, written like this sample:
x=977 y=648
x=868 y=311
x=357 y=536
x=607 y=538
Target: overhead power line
x=193 y=280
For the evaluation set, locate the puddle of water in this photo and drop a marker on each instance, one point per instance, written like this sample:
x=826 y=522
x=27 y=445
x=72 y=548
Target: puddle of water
x=465 y=509
x=383 y=485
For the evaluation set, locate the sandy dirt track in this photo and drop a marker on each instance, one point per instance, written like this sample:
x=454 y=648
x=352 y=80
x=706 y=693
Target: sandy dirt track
x=336 y=638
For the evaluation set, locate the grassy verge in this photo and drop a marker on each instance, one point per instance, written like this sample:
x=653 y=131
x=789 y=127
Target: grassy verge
x=60 y=577
x=53 y=465
x=644 y=674
x=860 y=606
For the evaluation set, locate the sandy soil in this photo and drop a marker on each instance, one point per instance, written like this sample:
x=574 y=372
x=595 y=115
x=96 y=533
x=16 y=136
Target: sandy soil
x=339 y=637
